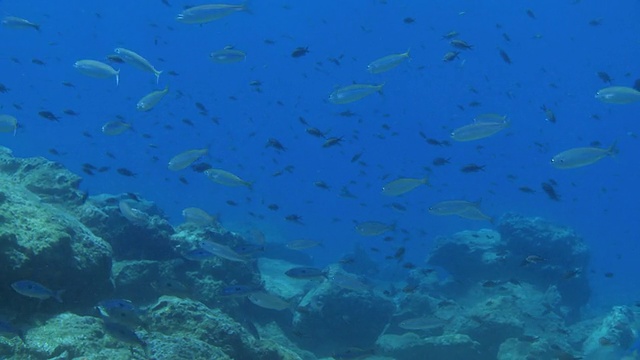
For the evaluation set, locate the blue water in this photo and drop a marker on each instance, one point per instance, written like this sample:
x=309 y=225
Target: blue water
x=557 y=69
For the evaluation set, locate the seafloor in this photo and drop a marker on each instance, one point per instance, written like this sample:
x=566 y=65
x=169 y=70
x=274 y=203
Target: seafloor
x=517 y=291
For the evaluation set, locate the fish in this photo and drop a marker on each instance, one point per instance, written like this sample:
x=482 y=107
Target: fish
x=121 y=311
x=14 y=22
x=198 y=217
x=474 y=213
x=402 y=186
x=152 y=99
x=132 y=214
x=422 y=323
x=304 y=272
x=355 y=92
x=550 y=191
x=353 y=353
x=268 y=301
x=373 y=228
x=300 y=51
x=483 y=126
x=226 y=178
x=123 y=333
x=387 y=63
x=450 y=56
x=220 y=250
x=36 y=290
x=618 y=95
x=471 y=168
x=48 y=115
x=202 y=14
x=198 y=255
x=452 y=207
x=134 y=59
x=460 y=44
x=349 y=282
x=237 y=290
x=116 y=127
x=7 y=329
x=8 y=124
x=302 y=244
x=550 y=115
x=582 y=156
x=185 y=159
x=97 y=69
x=228 y=55
x=505 y=57
x=332 y=141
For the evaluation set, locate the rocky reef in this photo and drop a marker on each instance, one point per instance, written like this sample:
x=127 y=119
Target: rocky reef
x=132 y=291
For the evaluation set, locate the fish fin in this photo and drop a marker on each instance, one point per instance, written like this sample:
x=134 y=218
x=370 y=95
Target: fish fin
x=157 y=73
x=117 y=77
x=58 y=295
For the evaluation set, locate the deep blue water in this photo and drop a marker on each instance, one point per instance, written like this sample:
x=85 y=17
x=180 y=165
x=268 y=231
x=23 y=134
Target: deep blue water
x=555 y=60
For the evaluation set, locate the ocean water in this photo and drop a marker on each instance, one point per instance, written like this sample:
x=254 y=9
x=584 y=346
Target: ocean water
x=556 y=52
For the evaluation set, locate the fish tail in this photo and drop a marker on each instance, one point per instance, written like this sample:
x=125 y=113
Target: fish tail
x=613 y=149
x=118 y=77
x=157 y=73
x=58 y=295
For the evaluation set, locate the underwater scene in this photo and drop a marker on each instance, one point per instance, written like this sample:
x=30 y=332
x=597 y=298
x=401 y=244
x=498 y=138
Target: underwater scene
x=365 y=179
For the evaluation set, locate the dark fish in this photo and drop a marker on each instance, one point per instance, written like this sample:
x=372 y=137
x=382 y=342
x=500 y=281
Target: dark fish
x=276 y=144
x=170 y=287
x=299 y=52
x=3 y=88
x=504 y=56
x=353 y=353
x=68 y=84
x=439 y=161
x=305 y=273
x=201 y=167
x=48 y=115
x=7 y=329
x=550 y=191
x=115 y=59
x=471 y=168
x=123 y=333
x=526 y=190
x=126 y=172
x=294 y=218
x=531 y=14
x=187 y=122
x=315 y=132
x=198 y=255
x=332 y=141
x=349 y=113
x=605 y=77
x=550 y=116
x=408 y=20
x=356 y=157
x=38 y=62
x=273 y=207
x=121 y=311
x=237 y=290
x=202 y=108
x=460 y=44
x=70 y=112
x=321 y=185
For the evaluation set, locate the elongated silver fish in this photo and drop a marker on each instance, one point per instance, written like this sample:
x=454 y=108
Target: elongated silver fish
x=222 y=251
x=134 y=59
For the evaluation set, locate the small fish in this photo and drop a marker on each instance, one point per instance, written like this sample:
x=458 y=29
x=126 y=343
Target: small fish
x=35 y=290
x=121 y=311
x=332 y=141
x=505 y=57
x=48 y=115
x=97 y=69
x=268 y=301
x=199 y=217
x=150 y=100
x=483 y=126
x=8 y=124
x=276 y=144
x=210 y=12
x=115 y=59
x=618 y=95
x=7 y=329
x=550 y=191
x=305 y=273
x=303 y=244
x=452 y=207
x=460 y=44
x=450 y=35
x=134 y=59
x=604 y=77
x=198 y=255
x=226 y=178
x=228 y=55
x=123 y=333
x=440 y=161
x=403 y=185
x=116 y=127
x=550 y=116
x=13 y=22
x=373 y=228
x=315 y=132
x=355 y=92
x=450 y=56
x=579 y=157
x=422 y=323
x=237 y=290
x=471 y=168
x=170 y=287
x=294 y=218
x=126 y=172
x=222 y=251
x=353 y=353
x=300 y=52
x=185 y=159
x=387 y=63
